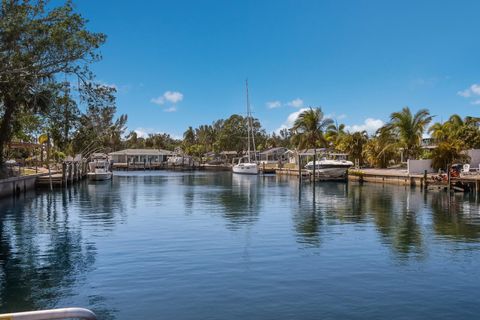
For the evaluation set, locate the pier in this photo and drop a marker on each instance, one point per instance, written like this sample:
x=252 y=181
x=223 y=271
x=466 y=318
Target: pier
x=72 y=171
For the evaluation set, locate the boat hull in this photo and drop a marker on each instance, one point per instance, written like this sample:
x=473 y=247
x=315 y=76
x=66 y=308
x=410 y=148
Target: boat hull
x=250 y=168
x=92 y=176
x=330 y=172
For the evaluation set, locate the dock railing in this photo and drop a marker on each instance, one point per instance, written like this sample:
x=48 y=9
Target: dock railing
x=65 y=313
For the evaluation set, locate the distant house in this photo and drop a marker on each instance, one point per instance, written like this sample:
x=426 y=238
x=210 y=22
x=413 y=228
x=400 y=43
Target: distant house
x=228 y=155
x=140 y=155
x=274 y=155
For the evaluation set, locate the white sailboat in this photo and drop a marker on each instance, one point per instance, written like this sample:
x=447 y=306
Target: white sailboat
x=249 y=167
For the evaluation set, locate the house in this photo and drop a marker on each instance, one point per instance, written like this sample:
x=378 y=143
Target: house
x=273 y=155
x=140 y=155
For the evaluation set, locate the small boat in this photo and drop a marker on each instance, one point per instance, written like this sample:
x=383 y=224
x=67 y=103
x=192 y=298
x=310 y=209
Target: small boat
x=99 y=170
x=248 y=167
x=330 y=166
x=245 y=168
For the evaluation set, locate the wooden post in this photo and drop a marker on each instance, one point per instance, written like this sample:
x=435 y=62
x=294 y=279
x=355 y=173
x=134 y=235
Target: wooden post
x=314 y=165
x=64 y=173
x=448 y=179
x=48 y=162
x=299 y=168
x=425 y=180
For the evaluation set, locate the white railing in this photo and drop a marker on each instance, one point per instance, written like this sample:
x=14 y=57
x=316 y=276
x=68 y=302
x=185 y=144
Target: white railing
x=65 y=313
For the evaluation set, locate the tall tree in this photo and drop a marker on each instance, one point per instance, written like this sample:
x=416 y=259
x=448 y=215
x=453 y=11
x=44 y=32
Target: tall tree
x=309 y=129
x=409 y=129
x=37 y=43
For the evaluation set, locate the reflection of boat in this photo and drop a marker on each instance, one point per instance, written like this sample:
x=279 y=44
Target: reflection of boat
x=248 y=167
x=99 y=170
x=332 y=165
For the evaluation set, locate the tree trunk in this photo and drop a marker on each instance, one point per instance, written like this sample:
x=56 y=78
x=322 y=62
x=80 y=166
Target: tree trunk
x=5 y=132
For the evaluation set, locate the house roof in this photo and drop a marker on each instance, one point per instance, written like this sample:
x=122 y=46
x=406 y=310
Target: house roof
x=228 y=152
x=141 y=152
x=311 y=152
x=274 y=150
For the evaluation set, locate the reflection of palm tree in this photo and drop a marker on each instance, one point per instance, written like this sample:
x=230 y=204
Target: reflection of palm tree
x=396 y=218
x=449 y=218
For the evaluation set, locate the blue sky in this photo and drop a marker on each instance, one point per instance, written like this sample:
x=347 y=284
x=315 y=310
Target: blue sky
x=183 y=63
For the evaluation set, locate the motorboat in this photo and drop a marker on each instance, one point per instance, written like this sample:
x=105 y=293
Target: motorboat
x=249 y=166
x=330 y=166
x=99 y=170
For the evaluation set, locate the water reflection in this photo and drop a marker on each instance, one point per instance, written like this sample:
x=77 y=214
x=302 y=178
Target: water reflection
x=456 y=218
x=42 y=255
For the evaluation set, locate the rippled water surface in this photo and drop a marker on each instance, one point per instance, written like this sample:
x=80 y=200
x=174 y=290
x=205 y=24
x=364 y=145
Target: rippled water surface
x=212 y=246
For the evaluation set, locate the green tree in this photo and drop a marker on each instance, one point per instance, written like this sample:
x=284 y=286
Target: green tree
x=353 y=144
x=38 y=43
x=98 y=128
x=334 y=133
x=380 y=149
x=309 y=129
x=409 y=129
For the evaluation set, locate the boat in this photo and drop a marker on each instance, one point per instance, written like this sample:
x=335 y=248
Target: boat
x=330 y=166
x=99 y=169
x=246 y=165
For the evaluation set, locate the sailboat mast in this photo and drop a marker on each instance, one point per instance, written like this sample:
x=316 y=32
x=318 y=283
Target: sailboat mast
x=248 y=121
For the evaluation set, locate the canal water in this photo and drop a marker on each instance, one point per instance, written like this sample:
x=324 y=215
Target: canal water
x=215 y=246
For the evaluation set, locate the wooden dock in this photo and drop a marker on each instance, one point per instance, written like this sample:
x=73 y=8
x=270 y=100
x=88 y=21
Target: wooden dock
x=71 y=172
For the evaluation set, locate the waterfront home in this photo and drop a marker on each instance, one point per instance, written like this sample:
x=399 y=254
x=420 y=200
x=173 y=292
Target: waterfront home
x=274 y=155
x=228 y=156
x=141 y=156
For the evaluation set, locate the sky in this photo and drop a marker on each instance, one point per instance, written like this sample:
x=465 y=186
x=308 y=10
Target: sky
x=184 y=63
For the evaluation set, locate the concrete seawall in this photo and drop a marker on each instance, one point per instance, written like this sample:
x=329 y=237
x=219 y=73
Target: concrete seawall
x=17 y=185
x=386 y=176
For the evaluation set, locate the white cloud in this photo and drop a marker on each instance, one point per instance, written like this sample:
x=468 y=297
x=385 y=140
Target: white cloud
x=370 y=125
x=291 y=120
x=142 y=132
x=171 y=109
x=169 y=96
x=296 y=103
x=160 y=100
x=473 y=90
x=273 y=104
x=476 y=102
x=173 y=96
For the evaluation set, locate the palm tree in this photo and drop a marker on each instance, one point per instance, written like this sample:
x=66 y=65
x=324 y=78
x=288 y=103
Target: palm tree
x=334 y=133
x=379 y=150
x=409 y=129
x=353 y=144
x=309 y=129
x=456 y=128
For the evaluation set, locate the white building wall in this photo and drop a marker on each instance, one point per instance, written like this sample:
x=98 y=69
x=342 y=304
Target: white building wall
x=419 y=166
x=474 y=155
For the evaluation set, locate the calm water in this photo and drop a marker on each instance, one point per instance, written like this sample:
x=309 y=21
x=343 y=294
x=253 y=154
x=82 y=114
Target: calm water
x=213 y=246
